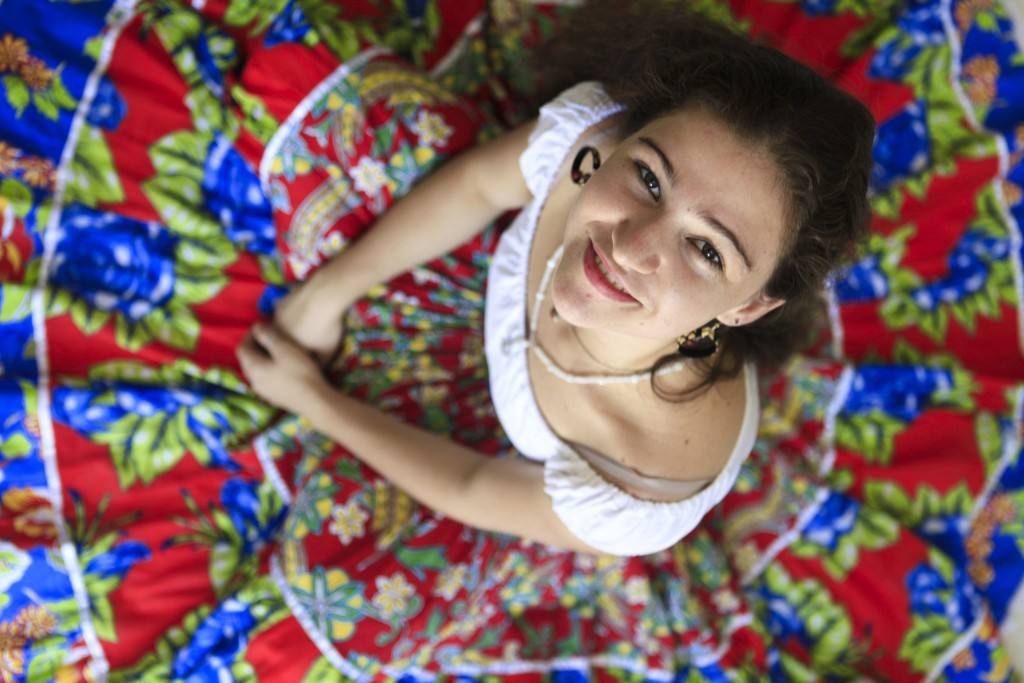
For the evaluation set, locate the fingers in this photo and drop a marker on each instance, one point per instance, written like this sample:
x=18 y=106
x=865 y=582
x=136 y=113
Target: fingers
x=266 y=336
x=249 y=354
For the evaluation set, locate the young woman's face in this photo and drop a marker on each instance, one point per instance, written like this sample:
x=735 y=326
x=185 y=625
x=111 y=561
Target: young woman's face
x=682 y=224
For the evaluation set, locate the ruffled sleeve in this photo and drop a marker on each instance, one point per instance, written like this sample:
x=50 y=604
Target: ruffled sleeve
x=560 y=123
x=615 y=522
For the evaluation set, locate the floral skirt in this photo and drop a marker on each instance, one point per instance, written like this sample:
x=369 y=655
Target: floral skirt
x=168 y=168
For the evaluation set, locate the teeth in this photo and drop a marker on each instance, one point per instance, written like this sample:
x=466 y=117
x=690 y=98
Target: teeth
x=607 y=275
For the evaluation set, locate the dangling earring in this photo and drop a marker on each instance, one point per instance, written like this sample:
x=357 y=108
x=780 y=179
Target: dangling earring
x=700 y=343
x=578 y=176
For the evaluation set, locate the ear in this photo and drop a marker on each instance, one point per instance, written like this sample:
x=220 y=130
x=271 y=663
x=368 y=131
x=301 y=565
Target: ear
x=750 y=311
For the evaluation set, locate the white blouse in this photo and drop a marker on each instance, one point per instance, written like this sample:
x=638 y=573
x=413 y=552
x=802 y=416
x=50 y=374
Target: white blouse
x=598 y=512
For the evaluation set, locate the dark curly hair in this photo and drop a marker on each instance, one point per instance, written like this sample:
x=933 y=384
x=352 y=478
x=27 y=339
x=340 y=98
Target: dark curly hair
x=656 y=57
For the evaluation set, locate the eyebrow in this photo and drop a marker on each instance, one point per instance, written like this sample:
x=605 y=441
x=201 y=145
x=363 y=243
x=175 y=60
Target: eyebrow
x=713 y=222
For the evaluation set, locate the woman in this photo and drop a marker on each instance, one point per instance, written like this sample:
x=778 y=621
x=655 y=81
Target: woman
x=676 y=228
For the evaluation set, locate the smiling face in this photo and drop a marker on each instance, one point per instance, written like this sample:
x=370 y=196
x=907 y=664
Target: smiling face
x=683 y=223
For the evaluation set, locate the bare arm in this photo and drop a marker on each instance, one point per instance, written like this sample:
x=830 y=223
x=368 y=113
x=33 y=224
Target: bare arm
x=440 y=213
x=495 y=494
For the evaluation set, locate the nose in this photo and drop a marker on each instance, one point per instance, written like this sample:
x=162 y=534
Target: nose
x=635 y=247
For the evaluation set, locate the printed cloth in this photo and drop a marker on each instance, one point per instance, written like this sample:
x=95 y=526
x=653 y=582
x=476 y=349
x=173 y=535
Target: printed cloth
x=167 y=167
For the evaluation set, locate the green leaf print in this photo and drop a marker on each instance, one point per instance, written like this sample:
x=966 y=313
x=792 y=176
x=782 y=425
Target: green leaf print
x=873 y=530
x=256 y=117
x=833 y=650
x=17 y=446
x=928 y=639
x=992 y=436
x=871 y=434
x=18 y=196
x=93 y=178
x=86 y=318
x=17 y=94
x=263 y=12
x=44 y=665
x=145 y=445
x=15 y=303
x=928 y=503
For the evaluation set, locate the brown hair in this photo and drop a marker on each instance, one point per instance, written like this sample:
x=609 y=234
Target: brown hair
x=657 y=57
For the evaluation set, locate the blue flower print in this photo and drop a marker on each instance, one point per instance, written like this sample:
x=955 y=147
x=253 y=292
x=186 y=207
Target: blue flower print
x=416 y=9
x=835 y=519
x=115 y=263
x=969 y=265
x=270 y=298
x=783 y=620
x=568 y=676
x=902 y=148
x=242 y=503
x=139 y=412
x=17 y=339
x=108 y=107
x=232 y=193
x=902 y=392
x=118 y=560
x=947 y=533
x=922 y=27
x=216 y=643
x=290 y=26
x=208 y=65
x=930 y=593
x=861 y=281
x=818 y=8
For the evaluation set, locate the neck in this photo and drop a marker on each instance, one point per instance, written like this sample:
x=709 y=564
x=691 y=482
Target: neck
x=618 y=353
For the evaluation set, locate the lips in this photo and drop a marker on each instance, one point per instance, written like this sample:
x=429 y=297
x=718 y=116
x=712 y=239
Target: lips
x=598 y=274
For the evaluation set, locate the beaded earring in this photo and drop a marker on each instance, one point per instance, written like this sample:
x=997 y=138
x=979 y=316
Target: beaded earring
x=578 y=176
x=700 y=343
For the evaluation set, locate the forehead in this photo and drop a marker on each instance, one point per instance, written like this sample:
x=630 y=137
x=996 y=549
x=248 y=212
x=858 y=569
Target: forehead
x=725 y=174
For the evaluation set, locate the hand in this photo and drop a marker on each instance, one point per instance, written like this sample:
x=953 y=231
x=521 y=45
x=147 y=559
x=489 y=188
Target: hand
x=280 y=371
x=312 y=320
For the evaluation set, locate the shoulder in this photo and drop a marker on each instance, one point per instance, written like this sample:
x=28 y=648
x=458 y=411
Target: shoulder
x=559 y=125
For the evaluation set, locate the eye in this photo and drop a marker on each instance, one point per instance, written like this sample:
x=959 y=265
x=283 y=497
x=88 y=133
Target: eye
x=709 y=253
x=649 y=180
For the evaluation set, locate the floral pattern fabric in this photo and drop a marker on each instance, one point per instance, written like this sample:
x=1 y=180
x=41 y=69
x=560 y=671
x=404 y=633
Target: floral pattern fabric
x=168 y=168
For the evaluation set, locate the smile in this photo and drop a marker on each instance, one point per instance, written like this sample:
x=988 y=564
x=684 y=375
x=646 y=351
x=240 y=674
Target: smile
x=597 y=273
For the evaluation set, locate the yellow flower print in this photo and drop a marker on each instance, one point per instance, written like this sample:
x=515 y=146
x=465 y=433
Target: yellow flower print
x=68 y=674
x=369 y=176
x=349 y=522
x=638 y=591
x=1012 y=192
x=725 y=600
x=36 y=74
x=13 y=53
x=432 y=129
x=33 y=515
x=981 y=75
x=451 y=580
x=8 y=159
x=333 y=602
x=967 y=10
x=964 y=660
x=12 y=652
x=393 y=595
x=36 y=622
x=37 y=172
